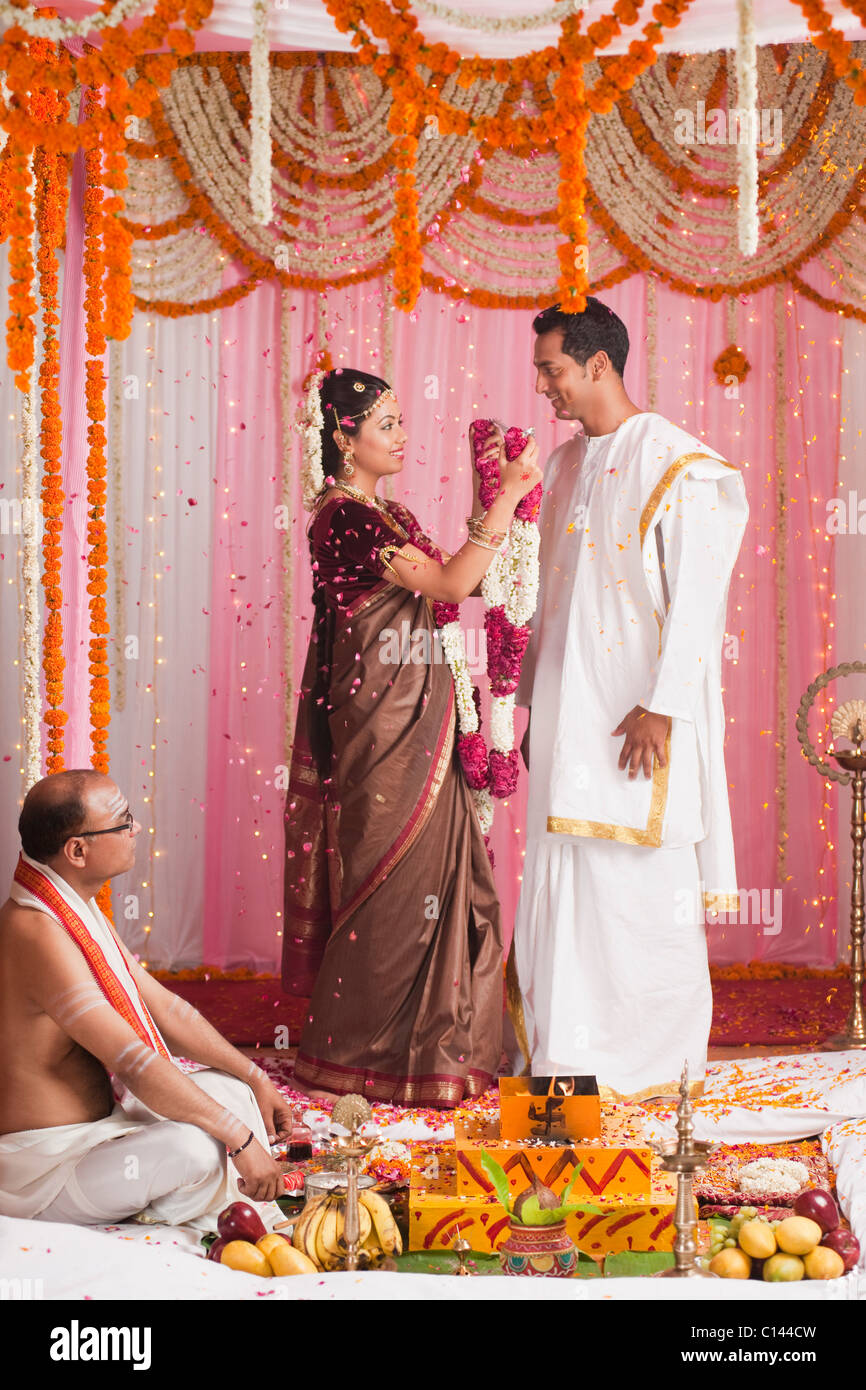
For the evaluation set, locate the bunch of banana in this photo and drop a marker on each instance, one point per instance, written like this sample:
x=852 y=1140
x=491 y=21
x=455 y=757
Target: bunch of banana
x=319 y=1229
x=384 y=1238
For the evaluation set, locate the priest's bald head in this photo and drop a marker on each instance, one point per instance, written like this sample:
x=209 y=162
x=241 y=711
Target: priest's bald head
x=79 y=823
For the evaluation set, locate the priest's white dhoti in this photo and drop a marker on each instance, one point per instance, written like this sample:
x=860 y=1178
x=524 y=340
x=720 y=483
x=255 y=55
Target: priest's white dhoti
x=640 y=529
x=134 y=1164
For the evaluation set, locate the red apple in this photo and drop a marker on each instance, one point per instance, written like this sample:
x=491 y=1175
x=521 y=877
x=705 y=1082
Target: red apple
x=241 y=1222
x=216 y=1248
x=817 y=1204
x=845 y=1243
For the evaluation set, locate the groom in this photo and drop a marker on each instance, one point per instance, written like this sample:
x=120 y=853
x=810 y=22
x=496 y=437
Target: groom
x=628 y=837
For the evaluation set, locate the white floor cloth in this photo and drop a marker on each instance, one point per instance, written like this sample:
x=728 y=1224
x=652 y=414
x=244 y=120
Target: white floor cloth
x=773 y=1099
x=74 y=1263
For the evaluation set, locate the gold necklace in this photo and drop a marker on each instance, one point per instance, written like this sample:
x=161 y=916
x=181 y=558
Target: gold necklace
x=359 y=496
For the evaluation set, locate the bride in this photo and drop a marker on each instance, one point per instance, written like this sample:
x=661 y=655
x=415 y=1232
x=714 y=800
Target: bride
x=391 y=921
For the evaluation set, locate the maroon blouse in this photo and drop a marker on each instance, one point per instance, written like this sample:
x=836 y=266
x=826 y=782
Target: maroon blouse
x=346 y=541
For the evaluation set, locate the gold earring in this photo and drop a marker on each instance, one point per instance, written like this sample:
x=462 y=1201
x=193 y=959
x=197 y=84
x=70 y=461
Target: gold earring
x=348 y=454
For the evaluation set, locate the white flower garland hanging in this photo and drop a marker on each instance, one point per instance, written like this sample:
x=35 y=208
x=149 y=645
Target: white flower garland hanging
x=37 y=26
x=557 y=12
x=309 y=424
x=747 y=149
x=31 y=516
x=261 y=201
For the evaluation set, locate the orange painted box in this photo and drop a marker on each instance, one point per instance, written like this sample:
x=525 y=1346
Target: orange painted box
x=603 y=1169
x=532 y=1107
x=619 y=1161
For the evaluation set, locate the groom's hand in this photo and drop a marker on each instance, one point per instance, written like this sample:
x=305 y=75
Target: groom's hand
x=645 y=735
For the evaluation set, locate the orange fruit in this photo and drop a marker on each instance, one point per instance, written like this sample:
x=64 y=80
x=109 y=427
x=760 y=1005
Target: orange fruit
x=823 y=1263
x=242 y=1254
x=272 y=1241
x=288 y=1260
x=797 y=1235
x=731 y=1264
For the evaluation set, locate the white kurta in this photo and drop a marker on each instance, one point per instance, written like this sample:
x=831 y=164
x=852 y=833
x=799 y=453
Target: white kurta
x=609 y=937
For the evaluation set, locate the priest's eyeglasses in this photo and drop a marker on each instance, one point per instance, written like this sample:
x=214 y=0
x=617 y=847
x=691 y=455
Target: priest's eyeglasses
x=127 y=824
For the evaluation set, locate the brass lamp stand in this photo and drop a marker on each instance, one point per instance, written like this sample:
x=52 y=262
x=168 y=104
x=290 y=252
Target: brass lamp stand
x=687 y=1160
x=848 y=722
x=854 y=1035
x=350 y=1112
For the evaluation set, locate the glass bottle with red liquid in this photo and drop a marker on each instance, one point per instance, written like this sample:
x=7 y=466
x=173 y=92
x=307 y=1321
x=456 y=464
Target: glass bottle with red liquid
x=300 y=1140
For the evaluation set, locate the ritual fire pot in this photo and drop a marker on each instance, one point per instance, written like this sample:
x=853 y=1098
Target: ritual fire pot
x=539 y=1251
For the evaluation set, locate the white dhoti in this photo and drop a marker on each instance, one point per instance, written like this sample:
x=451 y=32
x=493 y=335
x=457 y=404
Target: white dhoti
x=639 y=532
x=615 y=981
x=132 y=1164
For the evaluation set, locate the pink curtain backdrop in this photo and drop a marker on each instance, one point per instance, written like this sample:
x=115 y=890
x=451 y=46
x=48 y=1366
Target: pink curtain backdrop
x=453 y=363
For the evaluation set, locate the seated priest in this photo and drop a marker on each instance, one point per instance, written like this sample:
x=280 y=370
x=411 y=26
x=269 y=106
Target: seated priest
x=97 y=1121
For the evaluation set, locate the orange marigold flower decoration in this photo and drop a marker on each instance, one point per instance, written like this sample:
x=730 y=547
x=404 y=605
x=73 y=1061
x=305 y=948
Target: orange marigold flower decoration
x=836 y=46
x=20 y=325
x=564 y=120
x=406 y=233
x=97 y=557
x=573 y=115
x=732 y=362
x=52 y=193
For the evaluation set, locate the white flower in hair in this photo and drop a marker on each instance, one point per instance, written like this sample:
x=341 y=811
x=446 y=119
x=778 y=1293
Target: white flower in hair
x=310 y=423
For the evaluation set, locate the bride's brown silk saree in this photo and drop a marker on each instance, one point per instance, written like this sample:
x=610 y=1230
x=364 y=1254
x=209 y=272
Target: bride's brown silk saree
x=391 y=917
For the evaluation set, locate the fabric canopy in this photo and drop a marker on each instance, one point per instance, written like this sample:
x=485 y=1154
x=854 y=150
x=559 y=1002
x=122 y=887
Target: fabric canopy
x=306 y=25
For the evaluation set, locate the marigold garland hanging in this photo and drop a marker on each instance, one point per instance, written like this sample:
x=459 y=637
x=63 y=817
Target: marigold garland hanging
x=833 y=42
x=407 y=236
x=820 y=123
x=564 y=120
x=97 y=558
x=51 y=202
x=20 y=325
x=22 y=55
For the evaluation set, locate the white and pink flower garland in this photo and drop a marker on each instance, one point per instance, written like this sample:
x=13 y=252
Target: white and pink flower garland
x=510 y=591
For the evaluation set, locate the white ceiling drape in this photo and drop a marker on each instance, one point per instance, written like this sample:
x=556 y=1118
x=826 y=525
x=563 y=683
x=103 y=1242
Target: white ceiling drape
x=307 y=26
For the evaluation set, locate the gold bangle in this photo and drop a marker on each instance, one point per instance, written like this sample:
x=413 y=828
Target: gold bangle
x=477 y=528
x=481 y=522
x=483 y=544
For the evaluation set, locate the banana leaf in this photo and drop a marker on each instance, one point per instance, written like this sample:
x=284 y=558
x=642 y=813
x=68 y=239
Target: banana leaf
x=636 y=1263
x=496 y=1174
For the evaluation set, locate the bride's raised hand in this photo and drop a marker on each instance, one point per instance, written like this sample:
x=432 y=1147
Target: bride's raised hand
x=521 y=474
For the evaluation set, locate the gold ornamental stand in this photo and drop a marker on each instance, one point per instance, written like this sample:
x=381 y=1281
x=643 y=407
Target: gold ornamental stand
x=350 y=1112
x=854 y=1035
x=687 y=1160
x=849 y=722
